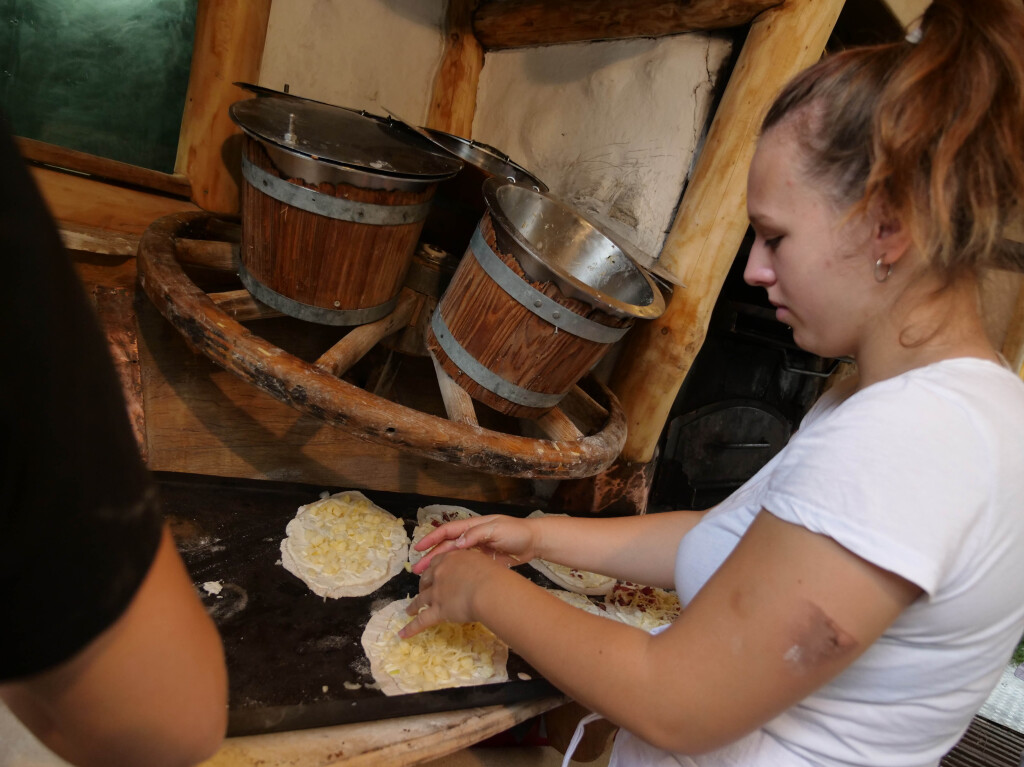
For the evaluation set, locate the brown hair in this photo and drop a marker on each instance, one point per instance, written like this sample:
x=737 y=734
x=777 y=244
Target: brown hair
x=933 y=132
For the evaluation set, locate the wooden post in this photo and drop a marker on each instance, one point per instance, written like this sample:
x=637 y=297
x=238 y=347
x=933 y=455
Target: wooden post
x=453 y=102
x=712 y=217
x=230 y=35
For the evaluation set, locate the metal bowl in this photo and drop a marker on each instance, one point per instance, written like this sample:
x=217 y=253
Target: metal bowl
x=553 y=241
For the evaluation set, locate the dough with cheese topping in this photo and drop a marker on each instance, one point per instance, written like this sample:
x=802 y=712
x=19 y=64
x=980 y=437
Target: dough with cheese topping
x=428 y=519
x=445 y=655
x=344 y=545
x=645 y=607
x=579 y=581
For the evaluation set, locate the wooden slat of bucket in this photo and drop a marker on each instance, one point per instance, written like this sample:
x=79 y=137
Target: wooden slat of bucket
x=457 y=404
x=322 y=261
x=350 y=349
x=241 y=306
x=509 y=339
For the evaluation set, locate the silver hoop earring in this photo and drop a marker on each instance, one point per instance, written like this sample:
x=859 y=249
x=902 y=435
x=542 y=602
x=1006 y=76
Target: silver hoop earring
x=882 y=276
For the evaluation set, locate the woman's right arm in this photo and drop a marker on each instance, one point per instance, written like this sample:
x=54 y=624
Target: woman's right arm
x=641 y=548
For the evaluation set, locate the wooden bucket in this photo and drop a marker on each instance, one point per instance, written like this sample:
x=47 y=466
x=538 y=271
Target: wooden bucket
x=533 y=305
x=322 y=241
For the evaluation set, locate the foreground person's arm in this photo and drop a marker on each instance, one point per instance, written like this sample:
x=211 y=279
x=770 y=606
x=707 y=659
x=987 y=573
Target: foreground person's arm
x=151 y=690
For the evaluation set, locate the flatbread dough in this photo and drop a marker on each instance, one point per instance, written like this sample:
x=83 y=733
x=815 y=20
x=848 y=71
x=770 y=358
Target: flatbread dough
x=344 y=545
x=645 y=607
x=445 y=655
x=428 y=519
x=582 y=602
x=579 y=581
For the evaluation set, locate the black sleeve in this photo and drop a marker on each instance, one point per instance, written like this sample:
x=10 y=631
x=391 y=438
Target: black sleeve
x=79 y=525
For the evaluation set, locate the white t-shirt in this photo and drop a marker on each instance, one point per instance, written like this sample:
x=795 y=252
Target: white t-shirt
x=922 y=475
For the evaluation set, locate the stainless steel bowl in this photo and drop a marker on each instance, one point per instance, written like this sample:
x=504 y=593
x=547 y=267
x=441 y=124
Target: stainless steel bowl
x=553 y=241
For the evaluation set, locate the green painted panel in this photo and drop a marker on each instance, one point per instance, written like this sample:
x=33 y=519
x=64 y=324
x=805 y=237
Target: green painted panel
x=107 y=77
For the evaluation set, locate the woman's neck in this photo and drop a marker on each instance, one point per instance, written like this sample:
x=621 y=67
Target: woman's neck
x=928 y=324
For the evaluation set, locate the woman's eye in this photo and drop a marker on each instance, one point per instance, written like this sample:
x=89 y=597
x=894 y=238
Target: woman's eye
x=773 y=242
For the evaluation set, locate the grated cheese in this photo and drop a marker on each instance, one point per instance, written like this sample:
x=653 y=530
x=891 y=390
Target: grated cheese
x=343 y=540
x=445 y=655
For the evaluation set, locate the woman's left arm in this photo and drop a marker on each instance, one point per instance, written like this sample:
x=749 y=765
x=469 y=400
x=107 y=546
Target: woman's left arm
x=786 y=612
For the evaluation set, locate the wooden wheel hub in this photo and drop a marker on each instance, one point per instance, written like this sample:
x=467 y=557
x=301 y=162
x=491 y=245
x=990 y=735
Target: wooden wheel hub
x=583 y=436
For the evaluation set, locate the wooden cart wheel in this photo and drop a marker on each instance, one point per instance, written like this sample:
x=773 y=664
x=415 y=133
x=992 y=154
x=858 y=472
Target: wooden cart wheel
x=584 y=435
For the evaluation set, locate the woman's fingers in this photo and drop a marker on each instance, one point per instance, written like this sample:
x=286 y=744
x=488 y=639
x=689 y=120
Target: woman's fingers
x=424 y=615
x=447 y=531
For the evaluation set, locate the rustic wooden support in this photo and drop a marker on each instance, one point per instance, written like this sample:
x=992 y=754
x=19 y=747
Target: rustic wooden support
x=209 y=254
x=557 y=425
x=519 y=23
x=358 y=341
x=102 y=168
x=331 y=400
x=239 y=305
x=457 y=402
x=453 y=102
x=582 y=409
x=712 y=218
x=229 y=40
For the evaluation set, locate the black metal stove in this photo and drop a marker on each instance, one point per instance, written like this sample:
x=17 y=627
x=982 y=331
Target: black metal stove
x=744 y=396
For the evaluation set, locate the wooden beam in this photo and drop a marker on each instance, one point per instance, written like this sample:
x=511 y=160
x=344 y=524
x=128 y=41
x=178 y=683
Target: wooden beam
x=453 y=102
x=230 y=35
x=79 y=201
x=101 y=168
x=519 y=23
x=93 y=240
x=712 y=218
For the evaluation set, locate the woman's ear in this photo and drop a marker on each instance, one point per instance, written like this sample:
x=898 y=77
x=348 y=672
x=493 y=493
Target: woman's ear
x=890 y=240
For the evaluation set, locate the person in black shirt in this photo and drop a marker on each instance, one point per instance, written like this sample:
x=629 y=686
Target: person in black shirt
x=107 y=654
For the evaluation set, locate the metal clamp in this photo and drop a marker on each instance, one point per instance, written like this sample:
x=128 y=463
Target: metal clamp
x=528 y=296
x=488 y=379
x=332 y=207
x=310 y=313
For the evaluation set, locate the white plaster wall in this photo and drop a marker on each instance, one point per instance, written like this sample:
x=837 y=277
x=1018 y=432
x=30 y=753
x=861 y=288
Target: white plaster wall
x=361 y=54
x=610 y=127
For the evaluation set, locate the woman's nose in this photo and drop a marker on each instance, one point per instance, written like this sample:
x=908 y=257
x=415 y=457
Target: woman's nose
x=758 y=271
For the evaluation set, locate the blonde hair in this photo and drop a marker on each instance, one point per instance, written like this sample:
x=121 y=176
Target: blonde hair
x=931 y=132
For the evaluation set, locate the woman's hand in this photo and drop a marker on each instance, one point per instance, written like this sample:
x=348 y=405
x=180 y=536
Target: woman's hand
x=448 y=588
x=511 y=540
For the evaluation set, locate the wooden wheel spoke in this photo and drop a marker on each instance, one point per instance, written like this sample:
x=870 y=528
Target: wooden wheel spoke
x=358 y=341
x=209 y=254
x=457 y=402
x=556 y=424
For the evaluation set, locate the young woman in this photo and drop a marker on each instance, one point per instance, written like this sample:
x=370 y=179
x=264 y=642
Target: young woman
x=856 y=601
